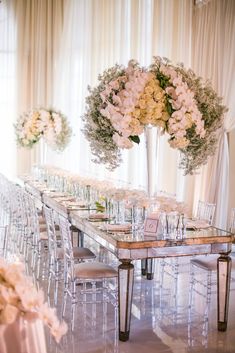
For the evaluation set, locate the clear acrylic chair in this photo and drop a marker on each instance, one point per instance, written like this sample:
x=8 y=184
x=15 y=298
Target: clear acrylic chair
x=56 y=252
x=18 y=218
x=206 y=262
x=4 y=215
x=3 y=240
x=203 y=269
x=4 y=201
x=11 y=211
x=16 y=213
x=88 y=282
x=37 y=239
x=29 y=223
x=232 y=221
x=206 y=211
x=170 y=267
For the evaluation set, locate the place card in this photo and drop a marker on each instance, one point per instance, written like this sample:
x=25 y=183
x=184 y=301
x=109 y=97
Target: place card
x=150 y=226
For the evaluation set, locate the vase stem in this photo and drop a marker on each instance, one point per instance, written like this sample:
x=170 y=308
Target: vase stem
x=152 y=141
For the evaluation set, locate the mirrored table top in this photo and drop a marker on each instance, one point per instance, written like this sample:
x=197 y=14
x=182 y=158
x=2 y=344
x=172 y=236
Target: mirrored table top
x=134 y=237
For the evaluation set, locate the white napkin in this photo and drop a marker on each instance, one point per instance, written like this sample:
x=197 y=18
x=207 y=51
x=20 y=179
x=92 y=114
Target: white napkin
x=118 y=227
x=54 y=194
x=197 y=224
x=75 y=204
x=98 y=216
x=64 y=198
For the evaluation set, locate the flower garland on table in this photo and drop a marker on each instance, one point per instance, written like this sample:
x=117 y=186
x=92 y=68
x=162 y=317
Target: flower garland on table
x=164 y=95
x=20 y=298
x=50 y=125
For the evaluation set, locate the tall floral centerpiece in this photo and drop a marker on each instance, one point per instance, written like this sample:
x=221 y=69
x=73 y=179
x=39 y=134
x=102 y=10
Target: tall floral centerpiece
x=50 y=125
x=127 y=99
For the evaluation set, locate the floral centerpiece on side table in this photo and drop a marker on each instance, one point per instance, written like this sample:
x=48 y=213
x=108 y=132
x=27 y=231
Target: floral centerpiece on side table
x=165 y=95
x=19 y=299
x=51 y=125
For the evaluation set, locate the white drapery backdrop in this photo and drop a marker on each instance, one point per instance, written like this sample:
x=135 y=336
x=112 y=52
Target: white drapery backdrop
x=7 y=89
x=98 y=34
x=213 y=58
x=64 y=45
x=39 y=26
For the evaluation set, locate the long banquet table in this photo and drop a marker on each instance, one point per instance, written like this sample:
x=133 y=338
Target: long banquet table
x=129 y=247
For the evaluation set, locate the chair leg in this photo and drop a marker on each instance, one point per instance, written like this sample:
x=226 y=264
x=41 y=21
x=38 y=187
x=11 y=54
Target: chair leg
x=190 y=305
x=74 y=302
x=176 y=275
x=27 y=251
x=37 y=264
x=94 y=299
x=64 y=303
x=49 y=281
x=57 y=273
x=208 y=296
x=33 y=256
x=66 y=288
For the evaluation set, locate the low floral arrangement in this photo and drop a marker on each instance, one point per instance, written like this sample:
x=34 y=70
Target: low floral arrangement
x=20 y=298
x=164 y=95
x=50 y=125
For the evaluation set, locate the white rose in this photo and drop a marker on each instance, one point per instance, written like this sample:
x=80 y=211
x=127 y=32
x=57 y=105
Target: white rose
x=122 y=142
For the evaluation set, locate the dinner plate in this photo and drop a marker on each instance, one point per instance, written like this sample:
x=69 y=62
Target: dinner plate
x=117 y=228
x=54 y=194
x=98 y=217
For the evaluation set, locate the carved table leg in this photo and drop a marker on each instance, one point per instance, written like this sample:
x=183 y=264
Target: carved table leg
x=125 y=291
x=223 y=279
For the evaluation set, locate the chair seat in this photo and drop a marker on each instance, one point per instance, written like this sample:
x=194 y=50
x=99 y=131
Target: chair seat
x=83 y=253
x=78 y=253
x=94 y=270
x=43 y=236
x=209 y=262
x=42 y=224
x=41 y=220
x=42 y=227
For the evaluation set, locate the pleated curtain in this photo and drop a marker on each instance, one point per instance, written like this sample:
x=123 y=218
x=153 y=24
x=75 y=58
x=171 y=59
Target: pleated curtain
x=51 y=50
x=214 y=58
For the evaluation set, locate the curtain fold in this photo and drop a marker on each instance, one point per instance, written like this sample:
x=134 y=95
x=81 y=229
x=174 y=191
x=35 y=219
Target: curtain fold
x=213 y=58
x=39 y=26
x=63 y=45
x=7 y=88
x=97 y=34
